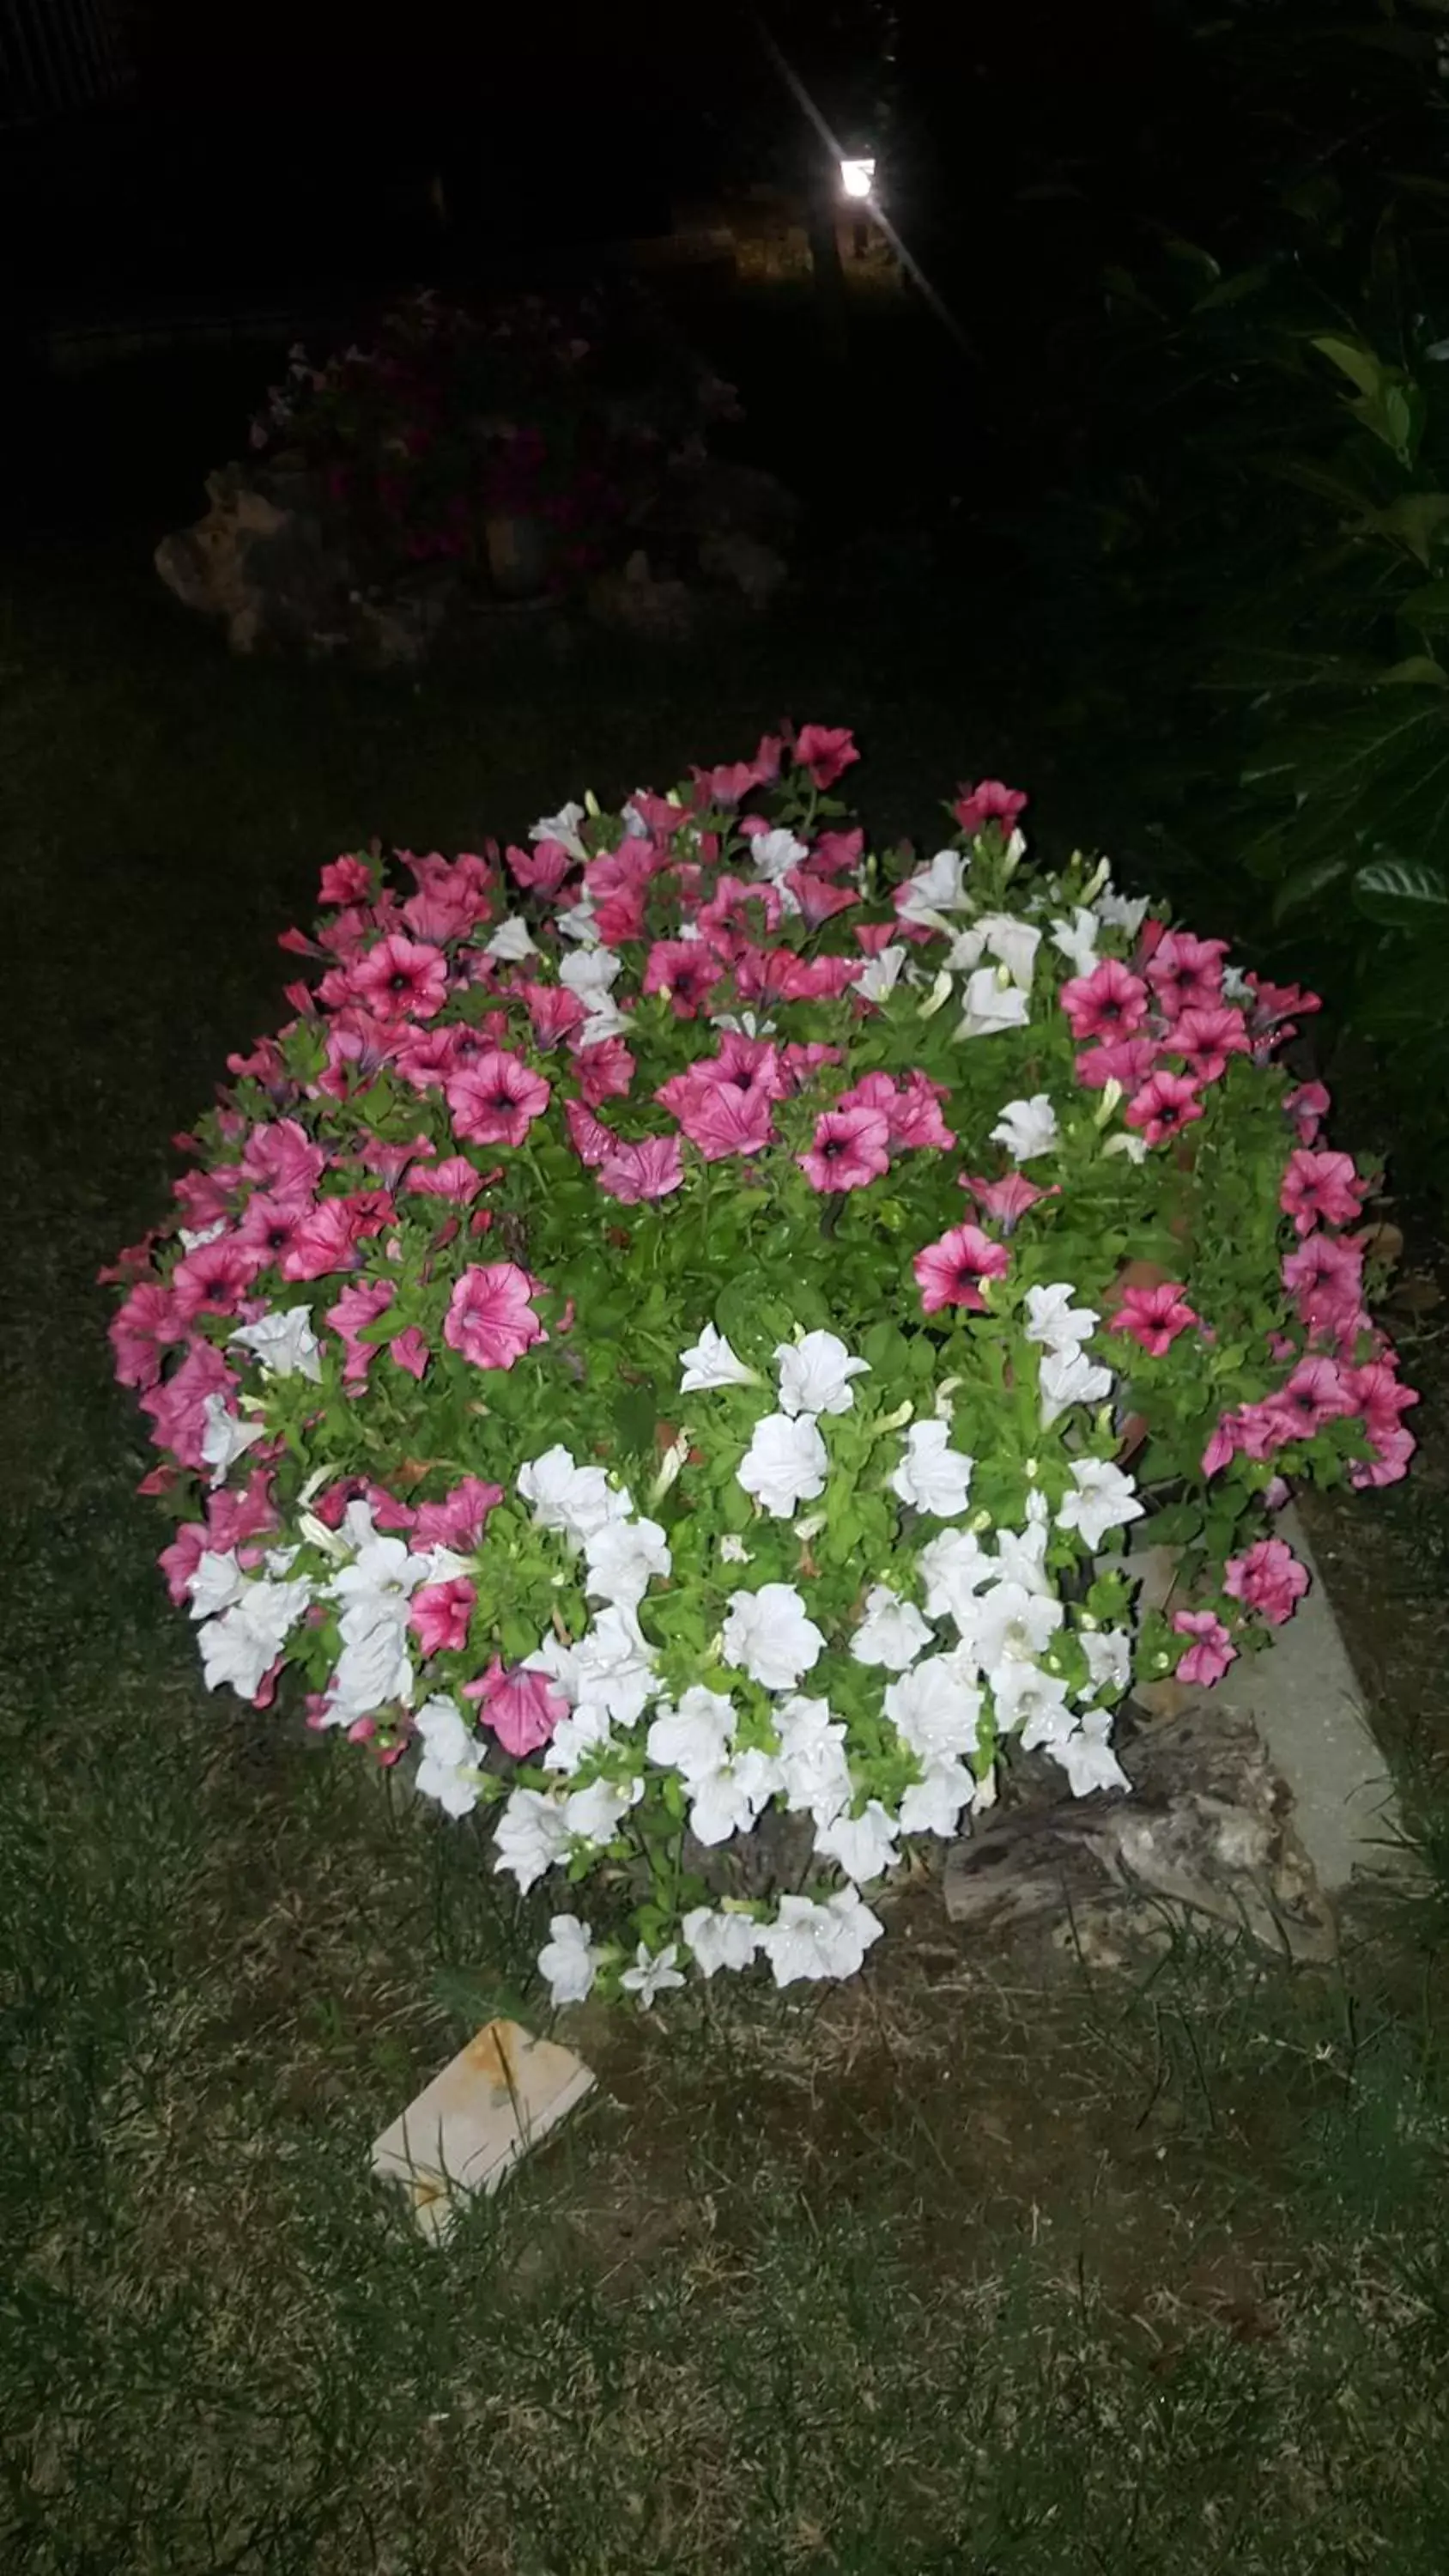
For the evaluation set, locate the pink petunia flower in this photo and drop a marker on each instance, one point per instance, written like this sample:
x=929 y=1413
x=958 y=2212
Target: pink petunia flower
x=1307 y=1105
x=357 y=1306
x=214 y=1278
x=824 y=750
x=541 y=870
x=177 y=1406
x=1154 y=1316
x=554 y=1012
x=1320 y=1189
x=1390 y=1461
x=1125 y=1060
x=593 y=1142
x=1206 y=1038
x=409 y=1350
x=605 y=1070
x=950 y=1271
x=1267 y=1578
x=912 y=1114
x=687 y=970
x=522 y=1707
x=649 y=1170
x=1315 y=1393
x=346 y=880
x=489 y=1318
x=327 y=1240
x=1380 y=1396
x=1109 y=1003
x=454 y=1179
x=1166 y=1103
x=496 y=1100
x=988 y=802
x=459 y=1520
x=270 y=1224
x=1186 y=974
x=400 y=979
x=1208 y=1658
x=850 y=1149
x=281 y=1157
x=1325 y=1276
x=1007 y=1201
x=720 y=1118
x=138 y=1334
x=438 y=1615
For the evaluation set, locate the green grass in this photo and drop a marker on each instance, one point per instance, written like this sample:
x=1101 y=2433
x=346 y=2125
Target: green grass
x=973 y=2267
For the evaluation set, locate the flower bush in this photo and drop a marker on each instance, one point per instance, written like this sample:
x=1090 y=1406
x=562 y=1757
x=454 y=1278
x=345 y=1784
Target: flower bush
x=565 y=412
x=675 y=1328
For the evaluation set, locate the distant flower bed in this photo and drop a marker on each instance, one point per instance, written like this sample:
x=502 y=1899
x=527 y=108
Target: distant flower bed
x=674 y=1328
x=560 y=413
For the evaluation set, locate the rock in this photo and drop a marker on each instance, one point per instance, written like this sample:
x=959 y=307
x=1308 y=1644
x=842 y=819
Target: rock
x=753 y=567
x=1207 y=1828
x=633 y=602
x=266 y=567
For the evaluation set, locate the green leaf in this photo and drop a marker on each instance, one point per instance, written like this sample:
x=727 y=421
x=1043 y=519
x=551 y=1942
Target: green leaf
x=1401 y=893
x=1427 y=607
x=1359 y=364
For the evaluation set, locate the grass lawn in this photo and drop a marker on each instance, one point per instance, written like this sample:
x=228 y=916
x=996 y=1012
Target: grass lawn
x=964 y=2269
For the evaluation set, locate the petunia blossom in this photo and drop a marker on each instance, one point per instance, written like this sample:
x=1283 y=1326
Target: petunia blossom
x=768 y=1635
x=1154 y=1316
x=489 y=1319
x=651 y=1169
x=1026 y=1127
x=1320 y=1189
x=932 y=1476
x=495 y=1100
x=815 y=1374
x=786 y=1463
x=849 y=1149
x=1109 y=1003
x=1166 y=1103
x=950 y=1271
x=825 y=751
x=521 y=1706
x=1212 y=1649
x=1268 y=1578
x=711 y=1362
x=439 y=1613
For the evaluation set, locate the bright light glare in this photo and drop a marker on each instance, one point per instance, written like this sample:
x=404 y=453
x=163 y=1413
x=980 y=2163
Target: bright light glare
x=857 y=177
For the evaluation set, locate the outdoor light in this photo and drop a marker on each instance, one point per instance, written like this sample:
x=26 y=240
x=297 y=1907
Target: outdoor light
x=857 y=178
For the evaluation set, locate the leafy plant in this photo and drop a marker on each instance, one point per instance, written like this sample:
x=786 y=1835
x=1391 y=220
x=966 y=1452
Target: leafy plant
x=574 y=1357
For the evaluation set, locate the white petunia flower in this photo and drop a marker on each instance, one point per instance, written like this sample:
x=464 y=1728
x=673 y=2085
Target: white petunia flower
x=932 y=1476
x=1122 y=912
x=652 y=1975
x=512 y=941
x=1109 y=1657
x=592 y=976
x=933 y=1804
x=562 y=827
x=1014 y=942
x=1087 y=1757
x=242 y=1644
x=1011 y=1623
x=1026 y=1127
x=623 y=1557
x=718 y=1940
x=579 y=922
x=965 y=951
x=1236 y=987
x=1067 y=1378
x=531 y=1836
x=768 y=1636
x=192 y=1237
x=448 y=1768
x=576 y=1500
x=373 y=1669
x=732 y=1550
x=786 y=1463
x=892 y=1632
x=1031 y=1701
x=864 y=1845
x=815 y=1374
x=1054 y=1321
x=812 y=1759
x=576 y=1738
x=568 y=1960
x=881 y=974
x=710 y=1363
x=613 y=1669
x=226 y=1437
x=808 y=1941
x=1104 y=1499
x=938 y=887
x=378 y=1585
x=1077 y=939
x=1124 y=1142
x=992 y=1005
x=774 y=854
x=217 y=1582
x=936 y=1709
x=1021 y=1554
x=594 y=1813
x=694 y=1738
x=284 y=1342
x=728 y=1801
x=955 y=1567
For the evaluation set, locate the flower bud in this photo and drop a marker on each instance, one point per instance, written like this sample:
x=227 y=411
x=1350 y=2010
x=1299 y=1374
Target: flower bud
x=1111 y=1095
x=939 y=994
